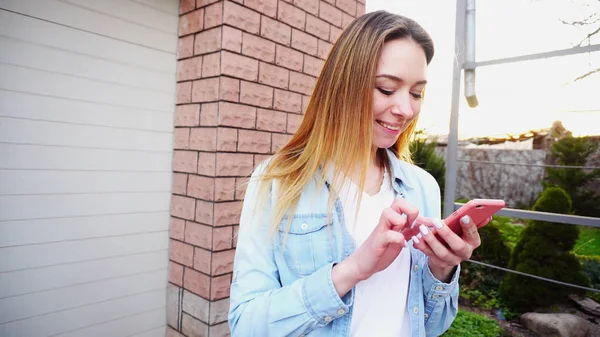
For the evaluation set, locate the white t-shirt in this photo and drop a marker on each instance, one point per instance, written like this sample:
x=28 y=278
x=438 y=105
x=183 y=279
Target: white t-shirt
x=380 y=301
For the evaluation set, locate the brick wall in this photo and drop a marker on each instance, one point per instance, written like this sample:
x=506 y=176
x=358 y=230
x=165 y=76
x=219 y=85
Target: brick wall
x=244 y=75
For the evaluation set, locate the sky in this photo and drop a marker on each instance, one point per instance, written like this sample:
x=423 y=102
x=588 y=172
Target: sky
x=517 y=97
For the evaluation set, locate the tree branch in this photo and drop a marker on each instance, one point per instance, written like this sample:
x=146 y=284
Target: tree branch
x=586 y=75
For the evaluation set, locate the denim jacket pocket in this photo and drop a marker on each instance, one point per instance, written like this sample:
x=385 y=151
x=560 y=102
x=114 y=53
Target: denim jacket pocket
x=309 y=243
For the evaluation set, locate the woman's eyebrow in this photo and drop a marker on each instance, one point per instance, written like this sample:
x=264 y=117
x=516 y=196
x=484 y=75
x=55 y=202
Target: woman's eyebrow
x=398 y=79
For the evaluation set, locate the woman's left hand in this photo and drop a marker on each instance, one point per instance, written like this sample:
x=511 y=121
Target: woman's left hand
x=443 y=258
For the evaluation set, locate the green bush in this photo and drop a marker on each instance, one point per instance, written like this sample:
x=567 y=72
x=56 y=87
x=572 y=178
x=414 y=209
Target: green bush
x=544 y=250
x=468 y=324
x=592 y=269
x=424 y=156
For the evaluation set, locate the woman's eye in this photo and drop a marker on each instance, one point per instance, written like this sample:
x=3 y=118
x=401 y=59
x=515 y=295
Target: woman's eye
x=385 y=92
x=416 y=95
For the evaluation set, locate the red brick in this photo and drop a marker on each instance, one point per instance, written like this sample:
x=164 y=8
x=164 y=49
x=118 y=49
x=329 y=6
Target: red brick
x=184 y=92
x=241 y=17
x=191 y=22
x=242 y=183
x=206 y=163
x=173 y=333
x=232 y=39
x=287 y=101
x=330 y=14
x=208 y=41
x=361 y=1
x=196 y=282
x=222 y=237
x=360 y=9
x=266 y=7
x=234 y=164
x=270 y=120
x=346 y=20
x=291 y=15
x=176 y=273
x=301 y=83
x=211 y=64
x=305 y=101
x=323 y=49
x=176 y=228
x=279 y=140
x=181 y=253
x=205 y=90
x=273 y=75
x=227 y=213
x=179 y=183
x=185 y=161
x=237 y=115
x=222 y=262
x=258 y=47
x=181 y=138
x=224 y=189
x=275 y=31
x=293 y=122
x=335 y=34
x=312 y=65
x=204 y=212
x=203 y=139
x=182 y=207
x=331 y=2
x=201 y=187
x=254 y=141
x=213 y=15
x=219 y=287
x=202 y=3
x=260 y=158
x=202 y=260
x=198 y=235
x=289 y=58
x=186 y=6
x=348 y=6
x=185 y=47
x=317 y=27
x=311 y=6
x=235 y=235
x=208 y=114
x=256 y=94
x=239 y=66
x=304 y=42
x=227 y=139
x=229 y=89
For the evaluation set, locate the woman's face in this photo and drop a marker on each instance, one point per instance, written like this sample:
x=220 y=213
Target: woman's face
x=399 y=84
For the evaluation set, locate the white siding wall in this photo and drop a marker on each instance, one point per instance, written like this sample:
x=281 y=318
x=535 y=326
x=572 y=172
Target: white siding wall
x=87 y=95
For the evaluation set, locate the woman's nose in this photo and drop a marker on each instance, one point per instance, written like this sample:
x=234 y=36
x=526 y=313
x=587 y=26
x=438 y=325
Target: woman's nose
x=402 y=106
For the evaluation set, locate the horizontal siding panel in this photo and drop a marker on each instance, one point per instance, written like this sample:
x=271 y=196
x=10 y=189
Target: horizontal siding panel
x=134 y=12
x=84 y=19
x=48 y=254
x=55 y=109
x=28 y=281
x=27 y=54
x=21 y=207
x=39 y=82
x=126 y=326
x=22 y=131
x=56 y=36
x=18 y=182
x=158 y=332
x=81 y=317
x=161 y=5
x=65 y=158
x=20 y=307
x=27 y=232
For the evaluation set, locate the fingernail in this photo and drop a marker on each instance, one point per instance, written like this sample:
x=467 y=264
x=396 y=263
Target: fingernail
x=419 y=235
x=415 y=239
x=437 y=223
x=424 y=230
x=403 y=215
x=465 y=220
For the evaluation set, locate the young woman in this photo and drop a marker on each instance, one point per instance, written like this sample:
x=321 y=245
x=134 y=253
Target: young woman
x=319 y=249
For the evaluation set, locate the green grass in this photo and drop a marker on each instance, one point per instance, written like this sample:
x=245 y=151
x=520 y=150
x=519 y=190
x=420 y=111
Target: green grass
x=470 y=324
x=588 y=243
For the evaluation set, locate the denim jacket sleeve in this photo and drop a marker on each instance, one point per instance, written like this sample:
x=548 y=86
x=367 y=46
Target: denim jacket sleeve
x=259 y=304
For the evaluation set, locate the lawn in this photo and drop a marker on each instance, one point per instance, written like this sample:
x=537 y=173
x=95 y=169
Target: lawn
x=588 y=243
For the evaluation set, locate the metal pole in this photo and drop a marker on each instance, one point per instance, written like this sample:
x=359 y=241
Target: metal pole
x=451 y=163
x=470 y=54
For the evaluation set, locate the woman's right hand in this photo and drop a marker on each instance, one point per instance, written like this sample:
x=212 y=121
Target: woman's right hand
x=380 y=249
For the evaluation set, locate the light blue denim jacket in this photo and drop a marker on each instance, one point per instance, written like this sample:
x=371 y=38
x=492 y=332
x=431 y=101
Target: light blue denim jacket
x=289 y=291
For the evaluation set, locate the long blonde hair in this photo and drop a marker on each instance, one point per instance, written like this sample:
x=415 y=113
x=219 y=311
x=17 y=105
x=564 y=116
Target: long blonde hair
x=336 y=132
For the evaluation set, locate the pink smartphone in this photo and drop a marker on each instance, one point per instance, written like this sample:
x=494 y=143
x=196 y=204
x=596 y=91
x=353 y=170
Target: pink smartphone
x=478 y=209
